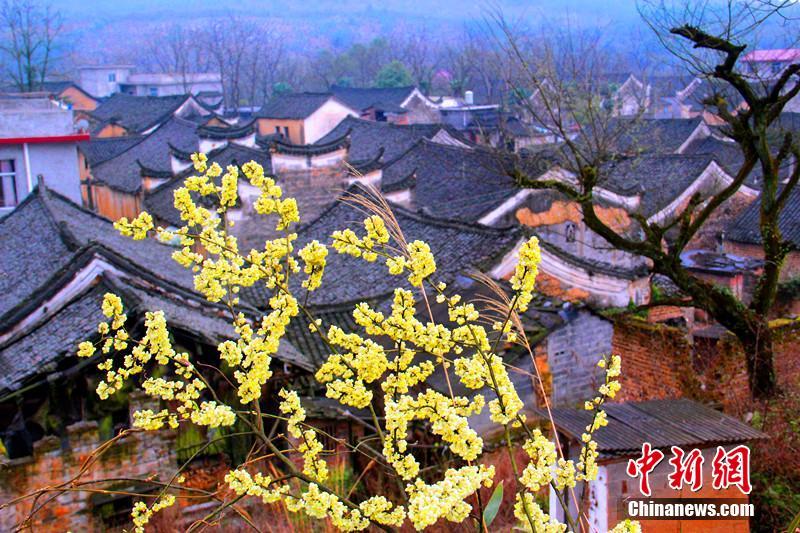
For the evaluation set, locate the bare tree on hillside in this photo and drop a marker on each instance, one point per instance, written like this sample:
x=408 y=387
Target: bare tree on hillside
x=712 y=42
x=177 y=50
x=29 y=42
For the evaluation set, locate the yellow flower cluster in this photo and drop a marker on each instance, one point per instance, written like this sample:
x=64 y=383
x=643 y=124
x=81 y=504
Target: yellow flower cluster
x=347 y=242
x=525 y=273
x=155 y=344
x=448 y=418
x=379 y=509
x=242 y=483
x=345 y=374
x=310 y=447
x=313 y=255
x=538 y=473
x=352 y=373
x=525 y=506
x=627 y=526
x=320 y=504
x=445 y=499
x=141 y=513
x=136 y=228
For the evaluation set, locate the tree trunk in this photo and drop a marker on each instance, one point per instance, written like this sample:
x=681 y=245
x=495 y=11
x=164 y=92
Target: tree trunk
x=758 y=346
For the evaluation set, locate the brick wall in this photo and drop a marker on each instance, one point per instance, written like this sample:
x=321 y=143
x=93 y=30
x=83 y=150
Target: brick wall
x=655 y=361
x=725 y=375
x=140 y=455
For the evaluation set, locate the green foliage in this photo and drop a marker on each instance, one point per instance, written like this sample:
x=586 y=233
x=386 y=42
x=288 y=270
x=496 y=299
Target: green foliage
x=490 y=512
x=393 y=74
x=789 y=288
x=281 y=88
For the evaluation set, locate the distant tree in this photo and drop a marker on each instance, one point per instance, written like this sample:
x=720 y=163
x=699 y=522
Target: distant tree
x=29 y=42
x=393 y=74
x=247 y=55
x=281 y=88
x=176 y=50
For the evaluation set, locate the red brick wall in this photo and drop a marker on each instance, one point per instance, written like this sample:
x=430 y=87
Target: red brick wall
x=655 y=360
x=726 y=376
x=140 y=455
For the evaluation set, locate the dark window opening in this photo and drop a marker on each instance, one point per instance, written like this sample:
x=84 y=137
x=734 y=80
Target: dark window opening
x=570 y=232
x=8 y=183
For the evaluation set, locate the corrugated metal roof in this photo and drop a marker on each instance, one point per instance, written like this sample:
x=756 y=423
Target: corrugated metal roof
x=662 y=423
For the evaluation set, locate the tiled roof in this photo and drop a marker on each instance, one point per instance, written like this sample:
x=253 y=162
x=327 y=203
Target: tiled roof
x=361 y=98
x=160 y=201
x=230 y=132
x=101 y=149
x=457 y=247
x=728 y=154
x=652 y=135
x=123 y=173
x=745 y=228
x=542 y=317
x=368 y=137
x=657 y=179
x=662 y=423
x=42 y=236
x=452 y=182
x=137 y=113
x=293 y=106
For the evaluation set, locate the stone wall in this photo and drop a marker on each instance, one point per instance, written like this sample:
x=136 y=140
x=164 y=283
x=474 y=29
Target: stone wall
x=573 y=351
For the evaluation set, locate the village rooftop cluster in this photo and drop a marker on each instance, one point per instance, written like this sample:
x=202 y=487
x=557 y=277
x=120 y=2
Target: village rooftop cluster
x=77 y=155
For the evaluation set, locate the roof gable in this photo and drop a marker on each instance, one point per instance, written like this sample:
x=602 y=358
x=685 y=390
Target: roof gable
x=293 y=106
x=123 y=172
x=450 y=181
x=137 y=113
x=457 y=247
x=362 y=98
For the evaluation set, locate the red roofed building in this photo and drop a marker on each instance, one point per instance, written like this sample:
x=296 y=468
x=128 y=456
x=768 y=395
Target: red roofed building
x=770 y=63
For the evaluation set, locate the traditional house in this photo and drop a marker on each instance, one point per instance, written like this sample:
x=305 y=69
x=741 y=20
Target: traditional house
x=302 y=118
x=400 y=105
x=743 y=236
x=60 y=259
x=374 y=145
x=662 y=424
x=770 y=64
x=114 y=186
x=37 y=138
x=123 y=114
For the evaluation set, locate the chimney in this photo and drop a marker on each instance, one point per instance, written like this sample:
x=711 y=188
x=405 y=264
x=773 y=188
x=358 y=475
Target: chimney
x=469 y=98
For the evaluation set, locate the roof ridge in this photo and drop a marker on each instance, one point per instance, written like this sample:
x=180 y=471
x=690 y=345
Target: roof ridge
x=416 y=215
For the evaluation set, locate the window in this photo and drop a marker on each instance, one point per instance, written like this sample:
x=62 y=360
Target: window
x=8 y=187
x=153 y=91
x=277 y=130
x=570 y=232
x=286 y=132
x=112 y=77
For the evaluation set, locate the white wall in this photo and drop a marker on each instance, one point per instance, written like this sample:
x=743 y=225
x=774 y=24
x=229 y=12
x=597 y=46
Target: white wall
x=324 y=119
x=56 y=162
x=95 y=80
